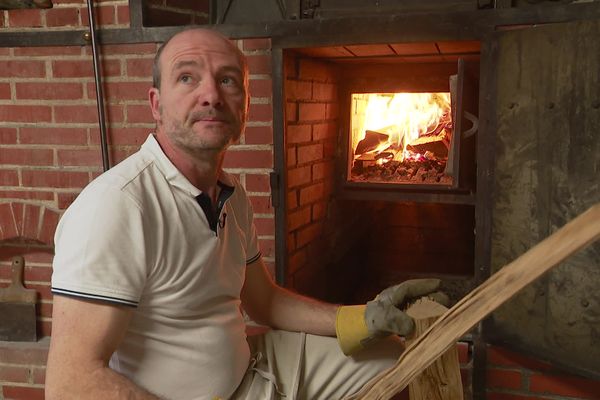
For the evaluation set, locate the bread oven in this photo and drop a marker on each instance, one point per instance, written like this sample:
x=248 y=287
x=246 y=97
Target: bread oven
x=379 y=150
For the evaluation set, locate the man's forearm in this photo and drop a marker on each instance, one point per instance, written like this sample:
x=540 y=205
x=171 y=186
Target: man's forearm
x=295 y=312
x=103 y=383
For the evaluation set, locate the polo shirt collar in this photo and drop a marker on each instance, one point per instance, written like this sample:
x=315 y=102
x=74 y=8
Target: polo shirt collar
x=171 y=173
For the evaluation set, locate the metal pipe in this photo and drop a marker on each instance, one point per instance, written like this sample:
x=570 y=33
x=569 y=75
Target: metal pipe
x=99 y=94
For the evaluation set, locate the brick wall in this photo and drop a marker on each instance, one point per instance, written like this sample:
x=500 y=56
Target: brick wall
x=49 y=150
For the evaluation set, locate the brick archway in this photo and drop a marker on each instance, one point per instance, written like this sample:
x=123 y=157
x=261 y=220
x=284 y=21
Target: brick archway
x=27 y=221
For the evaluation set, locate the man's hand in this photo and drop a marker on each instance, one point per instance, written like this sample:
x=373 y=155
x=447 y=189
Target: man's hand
x=357 y=326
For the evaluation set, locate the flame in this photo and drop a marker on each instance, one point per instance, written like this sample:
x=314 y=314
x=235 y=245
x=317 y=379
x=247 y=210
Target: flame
x=403 y=116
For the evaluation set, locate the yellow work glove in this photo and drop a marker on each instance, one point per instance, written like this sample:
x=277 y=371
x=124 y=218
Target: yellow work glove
x=357 y=326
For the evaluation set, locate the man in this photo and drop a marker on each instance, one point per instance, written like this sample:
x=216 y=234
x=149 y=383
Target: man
x=156 y=256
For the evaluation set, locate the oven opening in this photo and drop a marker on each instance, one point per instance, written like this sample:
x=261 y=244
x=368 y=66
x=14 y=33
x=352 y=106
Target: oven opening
x=400 y=138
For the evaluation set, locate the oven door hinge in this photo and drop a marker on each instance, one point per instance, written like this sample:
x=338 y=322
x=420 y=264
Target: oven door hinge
x=308 y=8
x=274 y=182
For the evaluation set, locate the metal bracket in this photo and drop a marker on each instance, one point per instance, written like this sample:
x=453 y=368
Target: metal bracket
x=308 y=8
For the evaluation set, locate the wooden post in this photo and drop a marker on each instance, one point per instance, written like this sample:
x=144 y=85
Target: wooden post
x=441 y=380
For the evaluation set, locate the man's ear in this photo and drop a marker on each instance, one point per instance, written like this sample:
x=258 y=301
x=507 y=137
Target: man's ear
x=154 y=98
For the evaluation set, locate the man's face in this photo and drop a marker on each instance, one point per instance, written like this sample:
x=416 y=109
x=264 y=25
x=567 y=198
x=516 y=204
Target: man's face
x=202 y=100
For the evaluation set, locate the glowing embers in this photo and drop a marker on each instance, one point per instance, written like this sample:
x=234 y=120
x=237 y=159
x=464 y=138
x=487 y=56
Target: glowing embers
x=400 y=138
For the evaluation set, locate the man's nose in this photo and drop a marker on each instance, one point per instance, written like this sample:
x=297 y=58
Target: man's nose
x=209 y=93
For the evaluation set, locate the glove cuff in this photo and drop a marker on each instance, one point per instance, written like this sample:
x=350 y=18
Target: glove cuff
x=351 y=328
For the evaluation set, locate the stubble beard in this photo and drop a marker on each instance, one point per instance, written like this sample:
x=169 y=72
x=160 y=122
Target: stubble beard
x=198 y=144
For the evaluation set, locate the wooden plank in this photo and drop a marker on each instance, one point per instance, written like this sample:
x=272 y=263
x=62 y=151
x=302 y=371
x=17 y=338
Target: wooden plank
x=515 y=276
x=441 y=380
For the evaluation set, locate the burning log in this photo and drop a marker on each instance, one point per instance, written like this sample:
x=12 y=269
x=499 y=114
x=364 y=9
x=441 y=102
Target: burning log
x=372 y=141
x=438 y=145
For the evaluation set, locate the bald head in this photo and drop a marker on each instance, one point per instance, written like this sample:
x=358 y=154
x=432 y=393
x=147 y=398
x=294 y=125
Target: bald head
x=199 y=33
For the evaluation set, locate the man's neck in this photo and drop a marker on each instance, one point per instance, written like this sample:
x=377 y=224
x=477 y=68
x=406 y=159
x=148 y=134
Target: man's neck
x=201 y=168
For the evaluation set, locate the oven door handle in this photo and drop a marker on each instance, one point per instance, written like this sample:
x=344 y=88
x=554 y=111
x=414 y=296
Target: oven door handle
x=475 y=121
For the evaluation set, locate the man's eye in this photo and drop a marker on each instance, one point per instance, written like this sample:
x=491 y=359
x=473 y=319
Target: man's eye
x=185 y=78
x=228 y=81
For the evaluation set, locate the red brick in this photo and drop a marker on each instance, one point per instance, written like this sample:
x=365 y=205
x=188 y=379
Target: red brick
x=104 y=15
x=258 y=135
x=30 y=18
x=38 y=274
x=324 y=131
x=25 y=156
x=260 y=112
x=39 y=376
x=49 y=90
x=298 y=90
x=248 y=159
x=26 y=194
x=291 y=111
x=310 y=153
x=258 y=183
x=19 y=113
x=264 y=226
x=322 y=170
x=508 y=396
x=52 y=51
x=84 y=68
x=259 y=64
x=463 y=350
x=5 y=91
x=80 y=157
x=312 y=194
x=312 y=111
x=126 y=136
x=292 y=159
x=23 y=393
x=8 y=225
x=332 y=111
x=9 y=177
x=499 y=356
x=34 y=355
x=564 y=386
x=85 y=114
x=298 y=176
x=128 y=49
x=8 y=135
x=22 y=69
x=298 y=218
x=324 y=92
x=267 y=247
x=504 y=379
x=1 y=25
x=309 y=234
x=124 y=90
x=139 y=114
x=62 y=17
x=66 y=136
x=292 y=199
x=319 y=211
x=49 y=222
x=298 y=133
x=64 y=200
x=261 y=88
x=261 y=204
x=256 y=44
x=31 y=221
x=14 y=374
x=44 y=328
x=315 y=70
x=17 y=209
x=296 y=261
x=123 y=15
x=55 y=179
x=139 y=67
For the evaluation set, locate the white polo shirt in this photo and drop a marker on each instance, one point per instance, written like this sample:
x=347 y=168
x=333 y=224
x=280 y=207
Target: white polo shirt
x=136 y=236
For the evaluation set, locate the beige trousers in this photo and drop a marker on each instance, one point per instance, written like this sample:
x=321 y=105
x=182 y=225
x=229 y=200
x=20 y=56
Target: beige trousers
x=298 y=366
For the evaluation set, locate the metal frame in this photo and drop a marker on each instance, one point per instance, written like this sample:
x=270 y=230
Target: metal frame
x=468 y=25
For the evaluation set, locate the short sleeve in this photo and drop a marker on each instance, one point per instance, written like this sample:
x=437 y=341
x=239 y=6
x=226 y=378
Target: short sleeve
x=100 y=248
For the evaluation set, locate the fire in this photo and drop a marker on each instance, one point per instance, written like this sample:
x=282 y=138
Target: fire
x=400 y=118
